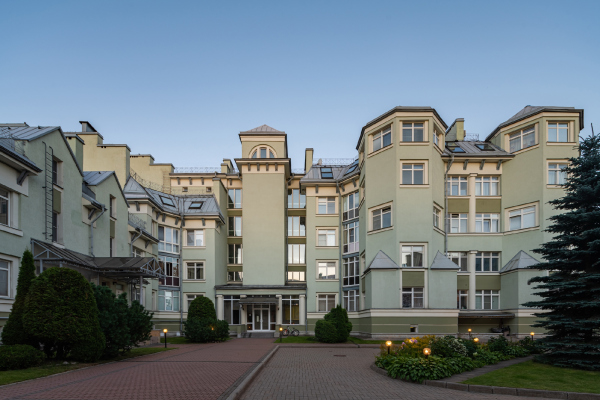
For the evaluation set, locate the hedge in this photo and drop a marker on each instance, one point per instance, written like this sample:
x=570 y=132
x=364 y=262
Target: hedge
x=20 y=356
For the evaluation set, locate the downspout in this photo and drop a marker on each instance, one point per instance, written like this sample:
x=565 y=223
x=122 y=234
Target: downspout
x=446 y=204
x=341 y=239
x=181 y=269
x=92 y=231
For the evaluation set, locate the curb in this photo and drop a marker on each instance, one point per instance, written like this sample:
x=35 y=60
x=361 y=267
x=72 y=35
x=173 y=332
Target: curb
x=237 y=393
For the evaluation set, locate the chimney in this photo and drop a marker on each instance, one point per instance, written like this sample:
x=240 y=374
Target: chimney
x=308 y=160
x=87 y=127
x=226 y=166
x=456 y=131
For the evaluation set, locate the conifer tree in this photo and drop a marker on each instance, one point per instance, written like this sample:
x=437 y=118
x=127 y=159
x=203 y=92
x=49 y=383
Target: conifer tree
x=570 y=294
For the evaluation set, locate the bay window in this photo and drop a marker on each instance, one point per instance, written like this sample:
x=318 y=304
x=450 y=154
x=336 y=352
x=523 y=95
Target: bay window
x=168 y=239
x=413 y=174
x=412 y=256
x=235 y=226
x=296 y=253
x=382 y=218
x=234 y=198
x=412 y=132
x=4 y=207
x=4 y=278
x=522 y=139
x=522 y=218
x=171 y=270
x=296 y=226
x=487 y=223
x=351 y=300
x=558 y=132
x=350 y=238
x=556 y=174
x=487 y=299
x=351 y=271
x=382 y=139
x=235 y=254
x=486 y=186
x=296 y=276
x=487 y=261
x=350 y=203
x=296 y=199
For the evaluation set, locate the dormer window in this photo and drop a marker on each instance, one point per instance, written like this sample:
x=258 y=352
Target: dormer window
x=326 y=173
x=167 y=201
x=196 y=205
x=454 y=148
x=262 y=152
x=485 y=147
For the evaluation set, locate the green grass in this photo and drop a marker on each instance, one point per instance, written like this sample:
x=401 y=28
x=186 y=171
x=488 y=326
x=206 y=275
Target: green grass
x=56 y=367
x=532 y=375
x=175 y=340
x=298 y=339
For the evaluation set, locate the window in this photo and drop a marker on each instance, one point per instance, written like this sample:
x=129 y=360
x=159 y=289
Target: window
x=458 y=223
x=167 y=201
x=325 y=302
x=326 y=270
x=522 y=218
x=558 y=132
x=412 y=297
x=351 y=300
x=350 y=204
x=556 y=174
x=485 y=147
x=351 y=271
x=196 y=205
x=487 y=261
x=382 y=218
x=235 y=226
x=350 y=238
x=234 y=198
x=261 y=152
x=522 y=139
x=291 y=309
x=168 y=300
x=4 y=207
x=54 y=172
x=190 y=298
x=111 y=247
x=168 y=239
x=195 y=270
x=326 y=237
x=296 y=253
x=382 y=139
x=55 y=226
x=113 y=207
x=232 y=309
x=436 y=138
x=352 y=168
x=138 y=252
x=326 y=205
x=412 y=132
x=454 y=148
x=412 y=174
x=4 y=278
x=296 y=226
x=457 y=186
x=195 y=237
x=326 y=173
x=296 y=276
x=235 y=254
x=171 y=270
x=412 y=256
x=462 y=300
x=296 y=199
x=437 y=217
x=459 y=258
x=487 y=223
x=235 y=276
x=486 y=186
x=487 y=299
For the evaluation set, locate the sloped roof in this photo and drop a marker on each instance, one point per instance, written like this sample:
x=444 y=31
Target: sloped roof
x=93 y=178
x=339 y=172
x=382 y=261
x=264 y=129
x=7 y=147
x=471 y=149
x=30 y=132
x=521 y=260
x=442 y=262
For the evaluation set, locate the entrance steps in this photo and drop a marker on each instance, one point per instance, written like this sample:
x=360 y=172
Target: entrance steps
x=258 y=335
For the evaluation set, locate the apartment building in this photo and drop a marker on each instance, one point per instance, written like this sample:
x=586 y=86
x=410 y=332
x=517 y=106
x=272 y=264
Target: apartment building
x=427 y=230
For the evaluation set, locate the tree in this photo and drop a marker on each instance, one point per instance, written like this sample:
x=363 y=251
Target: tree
x=571 y=291
x=335 y=326
x=13 y=332
x=112 y=315
x=202 y=307
x=139 y=322
x=61 y=314
x=202 y=325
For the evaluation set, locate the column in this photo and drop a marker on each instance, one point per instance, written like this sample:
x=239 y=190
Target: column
x=220 y=307
x=472 y=279
x=472 y=202
x=244 y=316
x=278 y=317
x=302 y=309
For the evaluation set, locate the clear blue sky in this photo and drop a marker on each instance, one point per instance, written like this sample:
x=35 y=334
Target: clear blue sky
x=179 y=80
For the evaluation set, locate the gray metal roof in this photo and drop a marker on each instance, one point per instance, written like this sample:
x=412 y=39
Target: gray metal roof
x=31 y=132
x=382 y=261
x=442 y=262
x=471 y=149
x=521 y=260
x=93 y=178
x=263 y=129
x=7 y=147
x=339 y=173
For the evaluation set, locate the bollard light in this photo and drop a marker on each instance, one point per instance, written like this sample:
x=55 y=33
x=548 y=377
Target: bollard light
x=427 y=352
x=469 y=330
x=389 y=345
x=532 y=334
x=476 y=340
x=280 y=334
x=165 y=332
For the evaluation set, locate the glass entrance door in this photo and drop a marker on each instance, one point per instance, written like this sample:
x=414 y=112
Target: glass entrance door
x=261 y=317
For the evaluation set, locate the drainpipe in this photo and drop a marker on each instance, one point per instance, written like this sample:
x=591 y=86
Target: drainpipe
x=181 y=268
x=341 y=244
x=92 y=231
x=446 y=204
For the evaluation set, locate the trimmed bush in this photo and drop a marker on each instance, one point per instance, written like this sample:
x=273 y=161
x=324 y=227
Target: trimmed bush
x=326 y=332
x=499 y=344
x=20 y=356
x=448 y=346
x=418 y=369
x=202 y=307
x=13 y=332
x=338 y=316
x=61 y=313
x=206 y=330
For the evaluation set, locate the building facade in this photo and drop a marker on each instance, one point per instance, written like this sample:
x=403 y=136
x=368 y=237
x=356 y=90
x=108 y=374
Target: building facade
x=425 y=231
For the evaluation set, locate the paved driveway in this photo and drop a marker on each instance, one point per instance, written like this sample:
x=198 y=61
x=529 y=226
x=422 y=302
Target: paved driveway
x=339 y=373
x=198 y=371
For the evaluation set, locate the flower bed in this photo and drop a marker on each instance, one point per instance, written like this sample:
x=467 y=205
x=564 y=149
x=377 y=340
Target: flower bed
x=449 y=356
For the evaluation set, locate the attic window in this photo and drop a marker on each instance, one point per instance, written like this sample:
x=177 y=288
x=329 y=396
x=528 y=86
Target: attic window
x=326 y=173
x=261 y=152
x=485 y=147
x=167 y=201
x=454 y=148
x=196 y=205
x=352 y=168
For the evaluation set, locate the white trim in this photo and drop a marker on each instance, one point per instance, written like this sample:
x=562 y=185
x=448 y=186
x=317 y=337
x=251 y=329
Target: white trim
x=9 y=289
x=425 y=164
x=326 y=228
x=425 y=262
x=186 y=279
x=335 y=302
x=337 y=270
x=379 y=207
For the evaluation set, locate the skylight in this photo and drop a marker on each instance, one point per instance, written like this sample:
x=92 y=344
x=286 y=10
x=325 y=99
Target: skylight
x=196 y=205
x=453 y=147
x=352 y=167
x=485 y=147
x=167 y=201
x=326 y=173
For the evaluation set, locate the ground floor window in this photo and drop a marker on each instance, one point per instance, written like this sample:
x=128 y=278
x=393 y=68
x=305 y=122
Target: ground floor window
x=291 y=309
x=325 y=302
x=462 y=300
x=232 y=309
x=168 y=300
x=351 y=300
x=412 y=297
x=487 y=299
x=190 y=298
x=4 y=278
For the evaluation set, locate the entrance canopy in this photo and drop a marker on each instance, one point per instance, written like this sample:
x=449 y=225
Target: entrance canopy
x=122 y=268
x=259 y=300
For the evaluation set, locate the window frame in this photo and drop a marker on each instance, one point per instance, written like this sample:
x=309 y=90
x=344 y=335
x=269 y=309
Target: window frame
x=347 y=212
x=301 y=203
x=460 y=182
x=412 y=252
x=327 y=300
x=558 y=172
x=480 y=297
x=327 y=200
x=195 y=267
x=233 y=230
x=301 y=253
x=233 y=202
x=188 y=301
x=413 y=291
x=235 y=274
x=238 y=254
x=172 y=270
x=8 y=270
x=293 y=303
x=437 y=217
x=411 y=127
x=256 y=152
x=523 y=207
x=557 y=128
x=329 y=231
x=492 y=181
x=424 y=170
x=521 y=134
x=382 y=209
x=380 y=135
x=300 y=275
x=461 y=256
x=164 y=242
x=8 y=201
x=234 y=300
x=327 y=267
x=351 y=297
x=462 y=218
x=490 y=256
x=462 y=296
x=195 y=235
x=348 y=230
x=482 y=218
x=301 y=230
x=173 y=297
x=351 y=271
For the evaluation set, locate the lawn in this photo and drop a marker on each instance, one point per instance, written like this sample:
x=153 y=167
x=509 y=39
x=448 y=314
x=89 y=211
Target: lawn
x=311 y=339
x=55 y=367
x=175 y=340
x=532 y=375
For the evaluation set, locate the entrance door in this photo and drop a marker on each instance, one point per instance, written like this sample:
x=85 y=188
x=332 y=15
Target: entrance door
x=260 y=317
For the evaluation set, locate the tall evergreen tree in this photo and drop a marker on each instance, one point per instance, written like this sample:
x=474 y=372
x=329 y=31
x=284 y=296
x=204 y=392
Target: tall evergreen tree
x=570 y=294
x=13 y=332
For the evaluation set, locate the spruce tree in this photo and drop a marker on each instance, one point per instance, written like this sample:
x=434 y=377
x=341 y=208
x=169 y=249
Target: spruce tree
x=13 y=332
x=570 y=294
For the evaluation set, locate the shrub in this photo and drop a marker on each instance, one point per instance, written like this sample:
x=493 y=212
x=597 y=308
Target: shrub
x=326 y=332
x=202 y=307
x=112 y=314
x=499 y=344
x=206 y=330
x=418 y=369
x=530 y=345
x=139 y=323
x=448 y=346
x=61 y=313
x=414 y=346
x=487 y=357
x=470 y=346
x=338 y=316
x=13 y=332
x=222 y=330
x=20 y=356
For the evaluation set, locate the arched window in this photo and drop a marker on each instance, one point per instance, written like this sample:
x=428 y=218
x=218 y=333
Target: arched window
x=263 y=152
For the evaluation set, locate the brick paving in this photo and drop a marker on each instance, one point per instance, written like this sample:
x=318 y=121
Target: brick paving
x=339 y=373
x=196 y=371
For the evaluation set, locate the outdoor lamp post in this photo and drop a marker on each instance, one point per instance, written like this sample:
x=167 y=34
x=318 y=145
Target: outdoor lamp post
x=280 y=334
x=476 y=340
x=427 y=352
x=532 y=334
x=165 y=331
x=389 y=345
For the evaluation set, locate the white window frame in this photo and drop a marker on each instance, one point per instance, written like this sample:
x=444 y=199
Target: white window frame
x=198 y=235
x=482 y=295
x=137 y=252
x=7 y=199
x=296 y=276
x=172 y=241
x=437 y=217
x=555 y=167
x=462 y=257
x=175 y=294
x=518 y=139
x=195 y=266
x=328 y=297
x=492 y=183
x=171 y=271
x=298 y=249
x=487 y=257
x=269 y=152
x=436 y=138
x=555 y=126
x=234 y=202
x=351 y=300
x=379 y=138
x=327 y=202
x=235 y=301
x=327 y=265
x=351 y=271
x=292 y=302
x=410 y=249
x=235 y=276
x=492 y=220
x=413 y=168
x=238 y=257
x=296 y=226
x=380 y=211
x=462 y=298
x=411 y=127
x=459 y=222
x=236 y=229
x=330 y=235
x=301 y=201
x=459 y=183
x=350 y=213
x=350 y=237
x=8 y=277
x=520 y=212
x=415 y=293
